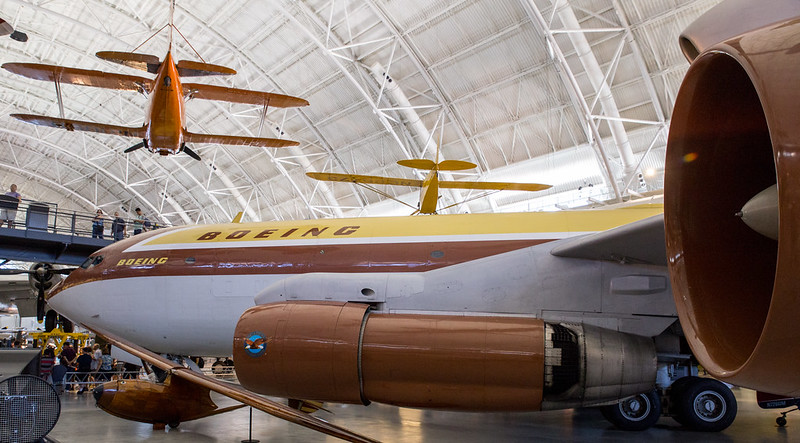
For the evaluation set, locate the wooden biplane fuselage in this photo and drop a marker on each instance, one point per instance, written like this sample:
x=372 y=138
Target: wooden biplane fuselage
x=165 y=120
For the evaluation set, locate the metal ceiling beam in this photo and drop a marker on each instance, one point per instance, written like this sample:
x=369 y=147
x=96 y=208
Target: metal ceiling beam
x=321 y=139
x=583 y=110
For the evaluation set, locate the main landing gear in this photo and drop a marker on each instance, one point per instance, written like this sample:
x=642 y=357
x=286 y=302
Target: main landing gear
x=53 y=320
x=700 y=404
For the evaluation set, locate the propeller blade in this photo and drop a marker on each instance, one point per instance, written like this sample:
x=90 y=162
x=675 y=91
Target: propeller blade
x=134 y=147
x=40 y=304
x=191 y=153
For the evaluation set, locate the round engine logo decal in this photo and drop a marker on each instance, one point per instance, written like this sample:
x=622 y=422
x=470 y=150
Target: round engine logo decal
x=255 y=344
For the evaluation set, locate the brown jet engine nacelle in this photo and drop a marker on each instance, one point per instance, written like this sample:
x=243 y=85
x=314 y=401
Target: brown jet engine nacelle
x=169 y=403
x=343 y=353
x=735 y=132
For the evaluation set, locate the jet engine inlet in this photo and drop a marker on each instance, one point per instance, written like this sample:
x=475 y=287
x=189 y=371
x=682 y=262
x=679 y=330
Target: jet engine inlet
x=734 y=133
x=340 y=352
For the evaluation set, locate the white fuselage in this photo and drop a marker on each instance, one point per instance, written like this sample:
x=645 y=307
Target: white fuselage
x=194 y=311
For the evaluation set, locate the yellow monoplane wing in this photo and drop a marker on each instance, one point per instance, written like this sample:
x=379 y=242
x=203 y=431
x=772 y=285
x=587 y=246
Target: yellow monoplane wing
x=370 y=179
x=75 y=76
x=499 y=186
x=221 y=93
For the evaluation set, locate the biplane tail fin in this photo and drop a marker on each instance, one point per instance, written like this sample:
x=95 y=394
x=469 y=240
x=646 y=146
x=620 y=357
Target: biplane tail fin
x=142 y=62
x=77 y=125
x=237 y=140
x=188 y=68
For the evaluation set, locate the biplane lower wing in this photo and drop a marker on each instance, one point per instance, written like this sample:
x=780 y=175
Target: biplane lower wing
x=190 y=137
x=370 y=179
x=233 y=391
x=75 y=76
x=499 y=186
x=77 y=125
x=221 y=93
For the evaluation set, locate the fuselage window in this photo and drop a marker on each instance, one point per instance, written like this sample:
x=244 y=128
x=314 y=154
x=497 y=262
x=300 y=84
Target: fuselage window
x=167 y=81
x=86 y=263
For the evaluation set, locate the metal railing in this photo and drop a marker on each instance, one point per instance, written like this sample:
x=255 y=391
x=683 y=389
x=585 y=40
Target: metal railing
x=46 y=217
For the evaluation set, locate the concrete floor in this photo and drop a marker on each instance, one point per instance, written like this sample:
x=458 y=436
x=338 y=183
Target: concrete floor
x=82 y=421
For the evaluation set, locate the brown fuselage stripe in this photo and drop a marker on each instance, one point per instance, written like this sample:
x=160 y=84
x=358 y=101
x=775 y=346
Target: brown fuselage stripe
x=380 y=257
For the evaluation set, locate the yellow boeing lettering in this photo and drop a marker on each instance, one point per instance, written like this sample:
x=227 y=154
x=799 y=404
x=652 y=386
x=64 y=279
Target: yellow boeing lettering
x=249 y=234
x=142 y=261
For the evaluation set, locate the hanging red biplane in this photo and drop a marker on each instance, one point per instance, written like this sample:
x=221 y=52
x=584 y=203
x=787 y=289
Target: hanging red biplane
x=164 y=129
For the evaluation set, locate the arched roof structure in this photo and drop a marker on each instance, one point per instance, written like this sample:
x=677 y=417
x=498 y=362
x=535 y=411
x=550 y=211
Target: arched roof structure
x=577 y=94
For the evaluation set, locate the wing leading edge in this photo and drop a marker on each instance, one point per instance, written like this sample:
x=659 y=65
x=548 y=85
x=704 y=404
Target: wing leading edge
x=235 y=392
x=84 y=77
x=638 y=242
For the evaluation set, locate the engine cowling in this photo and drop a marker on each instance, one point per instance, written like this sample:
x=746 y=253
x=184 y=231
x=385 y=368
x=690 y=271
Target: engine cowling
x=342 y=352
x=735 y=133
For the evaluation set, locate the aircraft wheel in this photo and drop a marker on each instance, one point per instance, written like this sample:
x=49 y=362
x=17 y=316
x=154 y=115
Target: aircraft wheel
x=781 y=421
x=676 y=393
x=66 y=325
x=635 y=413
x=50 y=320
x=174 y=424
x=706 y=405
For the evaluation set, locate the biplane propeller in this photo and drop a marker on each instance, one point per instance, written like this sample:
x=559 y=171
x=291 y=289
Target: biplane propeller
x=430 y=185
x=164 y=129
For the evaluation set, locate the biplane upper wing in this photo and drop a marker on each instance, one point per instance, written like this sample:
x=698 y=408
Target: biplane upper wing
x=500 y=186
x=371 y=179
x=190 y=137
x=77 y=125
x=235 y=392
x=211 y=92
x=77 y=76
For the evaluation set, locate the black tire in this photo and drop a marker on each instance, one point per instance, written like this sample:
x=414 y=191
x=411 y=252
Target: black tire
x=635 y=413
x=50 y=320
x=675 y=394
x=706 y=405
x=174 y=424
x=781 y=421
x=66 y=324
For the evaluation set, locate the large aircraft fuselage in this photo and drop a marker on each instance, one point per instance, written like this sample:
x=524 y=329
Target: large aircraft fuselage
x=182 y=290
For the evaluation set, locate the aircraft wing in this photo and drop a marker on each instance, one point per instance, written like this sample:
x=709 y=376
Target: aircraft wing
x=77 y=125
x=236 y=140
x=638 y=242
x=371 y=179
x=77 y=76
x=221 y=93
x=235 y=392
x=17 y=291
x=500 y=186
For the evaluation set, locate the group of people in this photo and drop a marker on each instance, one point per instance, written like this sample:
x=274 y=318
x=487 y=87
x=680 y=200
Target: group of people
x=93 y=364
x=119 y=229
x=7 y=215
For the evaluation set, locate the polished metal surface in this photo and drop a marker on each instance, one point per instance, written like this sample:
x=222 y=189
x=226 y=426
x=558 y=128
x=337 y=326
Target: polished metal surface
x=82 y=421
